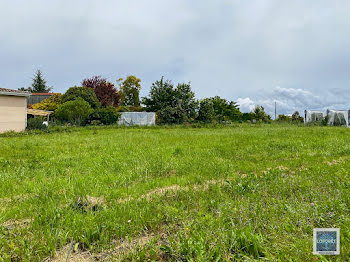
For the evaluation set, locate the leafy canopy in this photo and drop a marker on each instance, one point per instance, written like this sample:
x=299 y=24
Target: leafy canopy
x=173 y=105
x=85 y=93
x=105 y=91
x=75 y=111
x=130 y=89
x=224 y=110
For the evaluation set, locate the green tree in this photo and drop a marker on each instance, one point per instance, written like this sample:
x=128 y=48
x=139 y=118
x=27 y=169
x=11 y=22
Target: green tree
x=206 y=111
x=86 y=93
x=186 y=100
x=38 y=85
x=296 y=117
x=161 y=95
x=75 y=111
x=225 y=110
x=220 y=110
x=260 y=114
x=130 y=88
x=173 y=105
x=283 y=118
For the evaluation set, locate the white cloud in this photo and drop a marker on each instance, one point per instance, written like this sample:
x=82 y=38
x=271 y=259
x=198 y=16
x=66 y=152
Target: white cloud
x=245 y=104
x=289 y=100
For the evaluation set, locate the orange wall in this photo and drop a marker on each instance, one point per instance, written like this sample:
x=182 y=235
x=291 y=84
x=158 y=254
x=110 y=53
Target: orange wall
x=13 y=113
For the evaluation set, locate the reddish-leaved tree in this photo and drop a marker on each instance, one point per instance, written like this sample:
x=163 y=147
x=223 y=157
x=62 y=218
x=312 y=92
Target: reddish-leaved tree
x=105 y=91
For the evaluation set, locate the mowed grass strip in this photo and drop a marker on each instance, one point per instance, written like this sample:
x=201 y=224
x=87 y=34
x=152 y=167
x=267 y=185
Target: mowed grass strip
x=240 y=193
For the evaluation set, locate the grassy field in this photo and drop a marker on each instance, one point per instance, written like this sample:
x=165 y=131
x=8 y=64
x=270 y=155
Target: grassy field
x=241 y=193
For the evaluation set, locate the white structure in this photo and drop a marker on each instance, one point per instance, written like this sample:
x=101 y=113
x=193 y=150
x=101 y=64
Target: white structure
x=314 y=116
x=338 y=117
x=335 y=117
x=137 y=118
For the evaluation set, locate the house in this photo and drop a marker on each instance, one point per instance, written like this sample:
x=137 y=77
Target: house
x=13 y=110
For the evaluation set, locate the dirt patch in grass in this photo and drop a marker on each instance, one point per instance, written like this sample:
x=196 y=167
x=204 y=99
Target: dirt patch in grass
x=93 y=201
x=74 y=256
x=160 y=191
x=173 y=188
x=18 y=198
x=335 y=162
x=17 y=224
x=126 y=246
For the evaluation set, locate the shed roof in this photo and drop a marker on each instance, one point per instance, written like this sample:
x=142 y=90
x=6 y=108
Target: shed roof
x=12 y=92
x=36 y=112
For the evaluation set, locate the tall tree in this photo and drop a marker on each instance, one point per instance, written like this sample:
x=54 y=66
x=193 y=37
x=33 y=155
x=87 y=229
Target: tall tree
x=38 y=85
x=173 y=105
x=131 y=91
x=260 y=114
x=105 y=91
x=223 y=110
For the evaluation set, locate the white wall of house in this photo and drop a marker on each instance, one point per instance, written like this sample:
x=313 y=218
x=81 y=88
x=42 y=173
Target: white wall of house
x=13 y=113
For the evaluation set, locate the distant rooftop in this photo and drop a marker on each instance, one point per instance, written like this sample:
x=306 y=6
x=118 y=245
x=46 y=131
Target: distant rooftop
x=12 y=92
x=44 y=94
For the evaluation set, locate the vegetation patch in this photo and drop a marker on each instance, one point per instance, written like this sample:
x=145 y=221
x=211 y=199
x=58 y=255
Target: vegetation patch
x=173 y=193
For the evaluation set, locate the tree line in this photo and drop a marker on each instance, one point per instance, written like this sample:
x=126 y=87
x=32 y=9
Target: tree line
x=98 y=101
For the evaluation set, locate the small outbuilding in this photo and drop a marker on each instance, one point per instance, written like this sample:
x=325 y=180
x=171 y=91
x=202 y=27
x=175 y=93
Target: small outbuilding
x=137 y=118
x=13 y=110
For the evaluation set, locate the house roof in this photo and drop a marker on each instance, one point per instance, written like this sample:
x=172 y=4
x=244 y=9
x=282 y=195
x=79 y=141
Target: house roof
x=12 y=92
x=44 y=94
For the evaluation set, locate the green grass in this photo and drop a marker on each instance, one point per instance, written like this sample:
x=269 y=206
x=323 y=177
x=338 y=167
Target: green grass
x=242 y=193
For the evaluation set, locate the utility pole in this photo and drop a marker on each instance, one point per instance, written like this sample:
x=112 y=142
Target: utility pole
x=275 y=111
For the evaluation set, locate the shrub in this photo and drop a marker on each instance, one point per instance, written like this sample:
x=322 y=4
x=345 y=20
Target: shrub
x=283 y=118
x=35 y=124
x=50 y=104
x=171 y=115
x=82 y=92
x=297 y=118
x=105 y=116
x=75 y=111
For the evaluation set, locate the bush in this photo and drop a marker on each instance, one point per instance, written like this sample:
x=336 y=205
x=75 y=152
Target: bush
x=105 y=116
x=49 y=104
x=75 y=111
x=283 y=118
x=171 y=115
x=85 y=93
x=35 y=124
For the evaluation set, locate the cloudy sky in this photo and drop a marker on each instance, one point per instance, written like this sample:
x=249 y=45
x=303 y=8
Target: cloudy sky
x=296 y=53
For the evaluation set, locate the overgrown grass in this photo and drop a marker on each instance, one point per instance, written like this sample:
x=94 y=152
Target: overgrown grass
x=241 y=193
